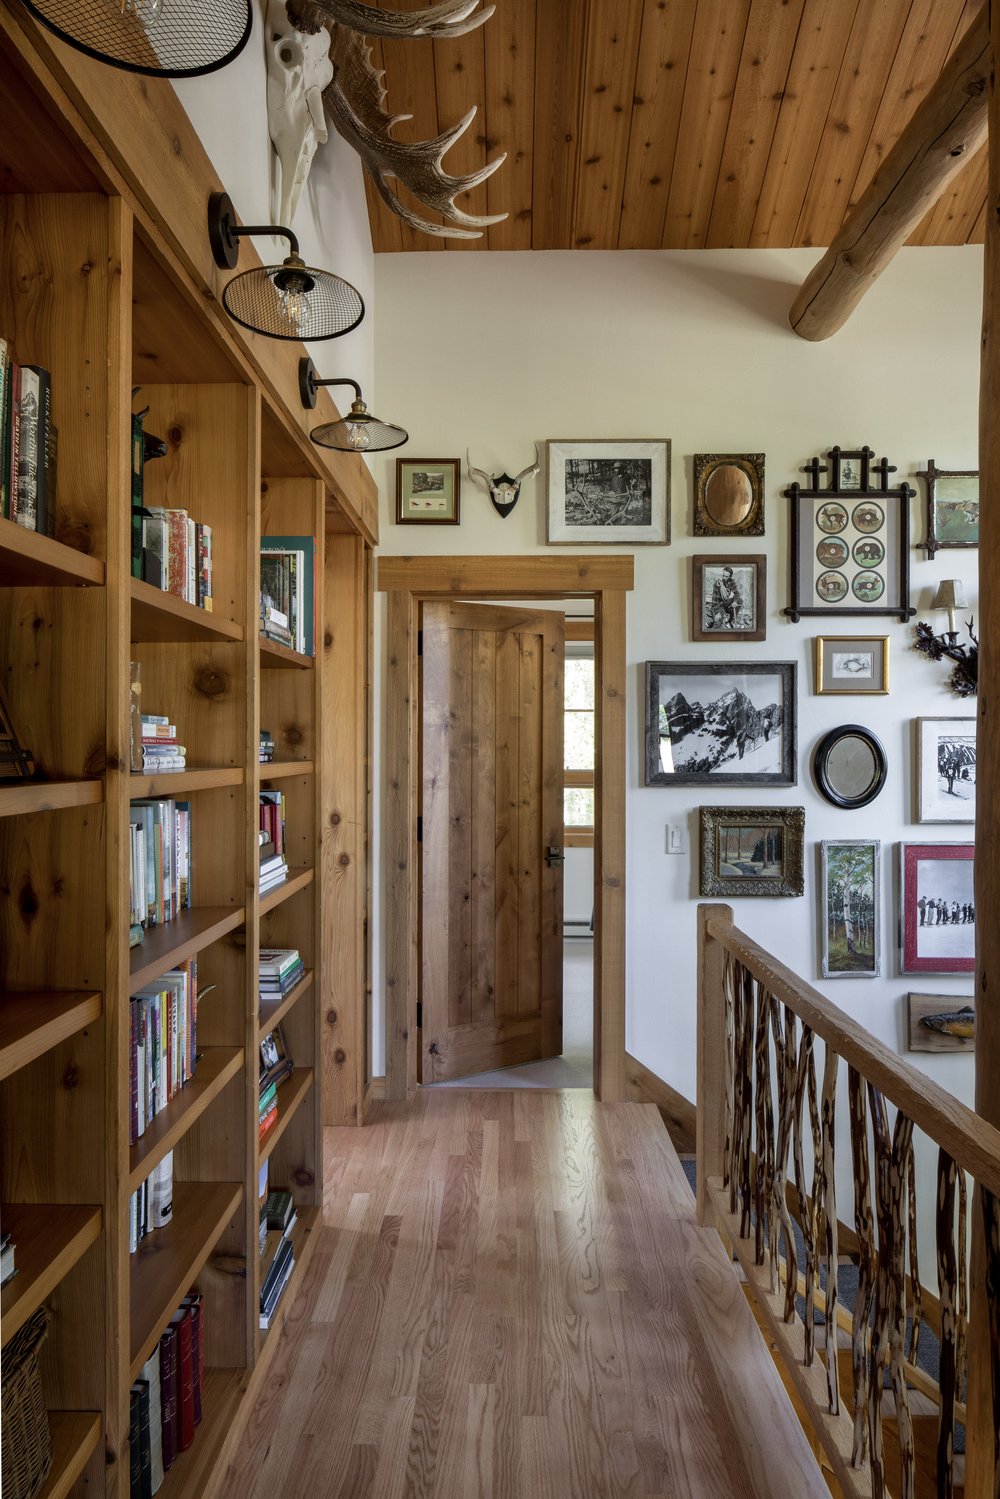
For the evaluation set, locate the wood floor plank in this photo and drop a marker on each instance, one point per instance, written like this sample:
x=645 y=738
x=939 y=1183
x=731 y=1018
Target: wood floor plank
x=511 y=1299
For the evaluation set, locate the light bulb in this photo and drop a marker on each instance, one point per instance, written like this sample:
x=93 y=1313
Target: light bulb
x=357 y=436
x=146 y=11
x=294 y=306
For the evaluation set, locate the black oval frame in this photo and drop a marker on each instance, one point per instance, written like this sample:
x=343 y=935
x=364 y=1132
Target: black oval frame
x=821 y=756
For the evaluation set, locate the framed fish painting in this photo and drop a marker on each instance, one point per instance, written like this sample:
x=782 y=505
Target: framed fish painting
x=940 y=1022
x=937 y=919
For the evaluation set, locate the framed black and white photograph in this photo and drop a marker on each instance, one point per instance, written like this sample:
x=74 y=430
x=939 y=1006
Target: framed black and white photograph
x=275 y=1061
x=850 y=921
x=729 y=494
x=751 y=850
x=941 y=1022
x=946 y=769
x=952 y=507
x=850 y=538
x=724 y=723
x=852 y=664
x=608 y=492
x=729 y=597
x=937 y=921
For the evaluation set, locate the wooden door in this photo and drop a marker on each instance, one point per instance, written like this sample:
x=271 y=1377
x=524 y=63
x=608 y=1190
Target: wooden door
x=492 y=795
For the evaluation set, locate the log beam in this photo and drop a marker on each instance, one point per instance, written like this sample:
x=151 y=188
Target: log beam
x=946 y=131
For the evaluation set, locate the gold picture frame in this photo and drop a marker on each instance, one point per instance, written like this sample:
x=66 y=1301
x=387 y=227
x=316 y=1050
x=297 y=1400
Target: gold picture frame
x=851 y=665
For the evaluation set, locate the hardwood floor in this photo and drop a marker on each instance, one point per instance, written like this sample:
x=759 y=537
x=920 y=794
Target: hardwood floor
x=512 y=1300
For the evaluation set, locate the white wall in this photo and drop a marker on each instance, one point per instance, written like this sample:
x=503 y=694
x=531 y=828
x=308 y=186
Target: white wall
x=229 y=112
x=578 y=886
x=499 y=351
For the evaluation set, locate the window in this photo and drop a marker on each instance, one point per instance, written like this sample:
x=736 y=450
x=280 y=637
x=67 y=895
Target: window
x=578 y=736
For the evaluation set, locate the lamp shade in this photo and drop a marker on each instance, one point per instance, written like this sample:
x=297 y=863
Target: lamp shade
x=950 y=595
x=159 y=38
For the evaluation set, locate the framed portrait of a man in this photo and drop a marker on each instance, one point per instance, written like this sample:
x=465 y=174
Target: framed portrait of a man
x=728 y=597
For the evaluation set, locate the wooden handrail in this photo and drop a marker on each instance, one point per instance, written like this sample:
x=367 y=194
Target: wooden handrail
x=971 y=1142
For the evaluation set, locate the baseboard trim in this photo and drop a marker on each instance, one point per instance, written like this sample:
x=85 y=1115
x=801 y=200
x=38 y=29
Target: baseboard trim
x=677 y=1112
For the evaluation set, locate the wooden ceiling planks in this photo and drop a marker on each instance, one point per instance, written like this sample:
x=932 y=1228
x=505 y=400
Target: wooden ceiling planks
x=647 y=124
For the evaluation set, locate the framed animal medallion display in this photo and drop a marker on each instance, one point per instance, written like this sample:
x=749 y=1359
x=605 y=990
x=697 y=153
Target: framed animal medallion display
x=850 y=538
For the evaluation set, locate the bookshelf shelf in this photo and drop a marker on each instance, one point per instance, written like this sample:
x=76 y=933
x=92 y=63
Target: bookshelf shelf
x=275 y=656
x=304 y=1240
x=49 y=1240
x=160 y=617
x=75 y=1435
x=171 y=782
x=170 y=1258
x=48 y=796
x=28 y=560
x=273 y=1010
x=297 y=880
x=220 y=1399
x=290 y=1095
x=32 y=1023
x=277 y=770
x=163 y=947
x=217 y=1065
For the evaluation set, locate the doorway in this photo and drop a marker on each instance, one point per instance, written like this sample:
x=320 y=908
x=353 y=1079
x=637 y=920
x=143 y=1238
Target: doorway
x=408 y=583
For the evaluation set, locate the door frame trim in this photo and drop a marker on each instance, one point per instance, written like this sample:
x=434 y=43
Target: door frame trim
x=407 y=581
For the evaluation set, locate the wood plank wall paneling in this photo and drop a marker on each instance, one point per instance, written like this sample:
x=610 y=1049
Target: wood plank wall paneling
x=634 y=124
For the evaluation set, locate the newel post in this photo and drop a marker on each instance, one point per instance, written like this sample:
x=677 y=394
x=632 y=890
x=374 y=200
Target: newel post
x=981 y=1464
x=711 y=1066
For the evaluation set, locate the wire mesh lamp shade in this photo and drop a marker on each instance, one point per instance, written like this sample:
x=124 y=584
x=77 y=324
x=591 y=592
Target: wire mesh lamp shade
x=357 y=432
x=160 y=38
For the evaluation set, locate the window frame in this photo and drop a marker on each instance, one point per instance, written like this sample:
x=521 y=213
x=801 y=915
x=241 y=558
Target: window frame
x=579 y=836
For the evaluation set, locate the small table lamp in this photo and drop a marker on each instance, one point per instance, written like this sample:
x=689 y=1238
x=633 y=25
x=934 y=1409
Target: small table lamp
x=951 y=596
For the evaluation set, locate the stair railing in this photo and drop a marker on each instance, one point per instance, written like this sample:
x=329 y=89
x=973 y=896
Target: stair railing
x=770 y=1049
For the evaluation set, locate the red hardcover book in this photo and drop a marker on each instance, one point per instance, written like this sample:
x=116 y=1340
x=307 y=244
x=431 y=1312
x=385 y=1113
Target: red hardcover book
x=181 y=1320
x=196 y=1305
x=168 y=1395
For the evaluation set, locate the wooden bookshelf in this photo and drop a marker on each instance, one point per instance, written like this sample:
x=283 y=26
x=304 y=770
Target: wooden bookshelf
x=216 y=1066
x=75 y=1435
x=277 y=770
x=163 y=947
x=297 y=880
x=221 y=1397
x=304 y=1239
x=273 y=1010
x=159 y=616
x=290 y=1096
x=49 y=1241
x=18 y=797
x=31 y=1024
x=28 y=560
x=182 y=782
x=275 y=657
x=169 y=1259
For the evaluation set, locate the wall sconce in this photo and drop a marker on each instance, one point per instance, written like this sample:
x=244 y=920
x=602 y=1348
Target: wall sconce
x=158 y=38
x=359 y=431
x=964 y=679
x=290 y=300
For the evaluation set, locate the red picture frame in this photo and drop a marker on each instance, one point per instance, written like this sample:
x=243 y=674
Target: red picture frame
x=937 y=918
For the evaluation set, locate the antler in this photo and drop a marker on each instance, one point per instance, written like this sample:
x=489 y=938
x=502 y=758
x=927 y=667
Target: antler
x=449 y=18
x=355 y=101
x=475 y=473
x=531 y=469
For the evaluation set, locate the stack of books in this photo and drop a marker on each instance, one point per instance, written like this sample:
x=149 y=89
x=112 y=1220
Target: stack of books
x=277 y=1259
x=163 y=1022
x=173 y=553
x=273 y=866
x=28 y=444
x=280 y=969
x=7 y=1268
x=159 y=861
x=287 y=592
x=165 y=1404
x=160 y=748
x=266 y=747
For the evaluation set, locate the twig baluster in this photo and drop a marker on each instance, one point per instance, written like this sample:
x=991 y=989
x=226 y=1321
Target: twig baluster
x=947 y=1285
x=762 y=1108
x=728 y=984
x=829 y=1196
x=802 y=1197
x=864 y=1225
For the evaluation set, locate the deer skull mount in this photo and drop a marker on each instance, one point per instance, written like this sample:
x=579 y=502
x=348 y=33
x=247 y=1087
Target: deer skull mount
x=355 y=96
x=504 y=491
x=298 y=70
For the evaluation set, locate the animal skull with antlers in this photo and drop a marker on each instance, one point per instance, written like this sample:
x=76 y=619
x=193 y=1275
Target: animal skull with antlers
x=355 y=97
x=504 y=491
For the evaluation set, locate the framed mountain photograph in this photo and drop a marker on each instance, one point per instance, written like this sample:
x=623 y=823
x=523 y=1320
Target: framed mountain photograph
x=850 y=923
x=720 y=723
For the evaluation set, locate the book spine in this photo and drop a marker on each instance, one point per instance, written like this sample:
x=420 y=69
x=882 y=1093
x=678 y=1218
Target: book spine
x=135 y=714
x=134 y=1455
x=14 y=449
x=151 y=1375
x=168 y=1395
x=43 y=425
x=155 y=537
x=186 y=1382
x=4 y=422
x=133 y=1072
x=52 y=476
x=195 y=1303
x=176 y=541
x=192 y=562
x=163 y=1191
x=145 y=1452
x=27 y=464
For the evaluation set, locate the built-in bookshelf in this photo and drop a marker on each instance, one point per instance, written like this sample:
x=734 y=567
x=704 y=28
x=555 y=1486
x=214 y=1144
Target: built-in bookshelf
x=76 y=191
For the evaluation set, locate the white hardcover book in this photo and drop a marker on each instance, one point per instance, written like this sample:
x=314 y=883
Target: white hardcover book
x=162 y=1180
x=151 y=1374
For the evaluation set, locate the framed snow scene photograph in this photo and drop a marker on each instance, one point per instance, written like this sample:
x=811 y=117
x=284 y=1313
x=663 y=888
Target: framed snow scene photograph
x=608 y=492
x=720 y=723
x=946 y=770
x=937 y=919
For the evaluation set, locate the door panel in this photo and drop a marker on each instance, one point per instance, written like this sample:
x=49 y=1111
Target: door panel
x=491 y=922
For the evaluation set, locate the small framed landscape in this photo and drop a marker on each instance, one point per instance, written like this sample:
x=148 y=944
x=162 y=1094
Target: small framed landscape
x=946 y=769
x=751 y=850
x=608 y=491
x=428 y=491
x=729 y=597
x=940 y=1022
x=937 y=917
x=952 y=507
x=850 y=664
x=850 y=923
x=720 y=723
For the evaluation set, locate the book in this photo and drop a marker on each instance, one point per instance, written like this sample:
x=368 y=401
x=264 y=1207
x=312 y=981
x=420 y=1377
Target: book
x=7 y=1267
x=278 y=1209
x=134 y=1453
x=5 y=361
x=12 y=453
x=181 y=1320
x=303 y=549
x=51 y=477
x=163 y=1190
x=151 y=1375
x=168 y=1395
x=141 y=1391
x=43 y=422
x=25 y=497
x=135 y=714
x=195 y=1303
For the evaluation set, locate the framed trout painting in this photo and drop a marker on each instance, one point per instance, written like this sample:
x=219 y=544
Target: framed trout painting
x=941 y=1022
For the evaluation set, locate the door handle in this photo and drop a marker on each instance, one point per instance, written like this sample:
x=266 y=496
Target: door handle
x=554 y=856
